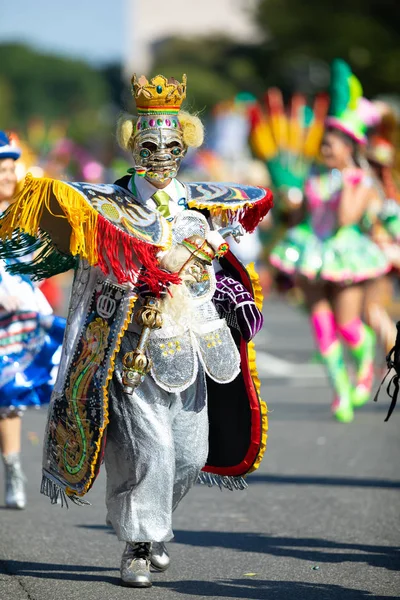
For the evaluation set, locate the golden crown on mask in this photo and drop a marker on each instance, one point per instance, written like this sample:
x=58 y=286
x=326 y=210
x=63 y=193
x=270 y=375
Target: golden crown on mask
x=159 y=96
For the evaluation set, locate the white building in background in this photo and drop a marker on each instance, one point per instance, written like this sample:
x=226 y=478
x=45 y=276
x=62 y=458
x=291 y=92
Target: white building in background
x=150 y=21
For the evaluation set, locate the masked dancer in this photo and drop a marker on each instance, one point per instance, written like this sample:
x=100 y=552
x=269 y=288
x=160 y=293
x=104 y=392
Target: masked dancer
x=329 y=253
x=157 y=374
x=30 y=337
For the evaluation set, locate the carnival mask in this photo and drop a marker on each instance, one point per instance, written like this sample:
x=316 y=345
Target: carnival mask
x=159 y=152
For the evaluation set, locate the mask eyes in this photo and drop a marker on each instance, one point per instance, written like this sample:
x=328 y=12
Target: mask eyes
x=145 y=153
x=176 y=151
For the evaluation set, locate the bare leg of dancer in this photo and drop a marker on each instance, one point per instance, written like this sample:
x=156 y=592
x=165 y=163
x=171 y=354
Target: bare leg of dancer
x=377 y=295
x=10 y=435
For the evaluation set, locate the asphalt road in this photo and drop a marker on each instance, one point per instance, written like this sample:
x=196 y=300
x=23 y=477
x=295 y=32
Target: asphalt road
x=320 y=519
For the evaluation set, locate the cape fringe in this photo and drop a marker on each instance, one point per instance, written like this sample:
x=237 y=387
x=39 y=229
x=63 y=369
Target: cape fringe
x=57 y=494
x=152 y=275
x=47 y=262
x=124 y=255
x=26 y=212
x=255 y=282
x=228 y=483
x=248 y=214
x=251 y=351
x=263 y=406
x=253 y=214
x=93 y=237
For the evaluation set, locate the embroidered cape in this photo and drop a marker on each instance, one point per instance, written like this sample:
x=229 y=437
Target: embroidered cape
x=113 y=241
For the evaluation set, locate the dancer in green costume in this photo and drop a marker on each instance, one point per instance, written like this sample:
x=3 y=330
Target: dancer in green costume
x=329 y=254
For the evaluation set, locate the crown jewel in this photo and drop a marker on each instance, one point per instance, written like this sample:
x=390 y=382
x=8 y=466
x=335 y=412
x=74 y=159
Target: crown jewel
x=159 y=95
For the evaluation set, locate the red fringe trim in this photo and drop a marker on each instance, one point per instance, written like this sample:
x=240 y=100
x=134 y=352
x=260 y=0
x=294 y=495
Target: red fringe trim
x=152 y=275
x=108 y=250
x=129 y=259
x=251 y=216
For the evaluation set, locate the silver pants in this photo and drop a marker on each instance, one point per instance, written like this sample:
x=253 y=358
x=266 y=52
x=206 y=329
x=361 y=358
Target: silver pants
x=157 y=443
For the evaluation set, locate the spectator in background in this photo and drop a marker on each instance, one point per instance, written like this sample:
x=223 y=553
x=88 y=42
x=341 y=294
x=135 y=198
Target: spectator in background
x=29 y=339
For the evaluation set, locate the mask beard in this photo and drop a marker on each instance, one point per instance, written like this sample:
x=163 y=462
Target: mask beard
x=179 y=307
x=161 y=177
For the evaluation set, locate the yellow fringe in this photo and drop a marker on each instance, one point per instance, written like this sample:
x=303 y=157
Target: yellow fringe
x=82 y=218
x=27 y=210
x=255 y=282
x=219 y=208
x=263 y=406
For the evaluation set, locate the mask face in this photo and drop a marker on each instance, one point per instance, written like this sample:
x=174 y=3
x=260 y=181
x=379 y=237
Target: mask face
x=160 y=152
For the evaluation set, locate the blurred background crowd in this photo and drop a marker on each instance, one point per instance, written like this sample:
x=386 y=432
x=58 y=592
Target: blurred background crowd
x=259 y=76
x=65 y=75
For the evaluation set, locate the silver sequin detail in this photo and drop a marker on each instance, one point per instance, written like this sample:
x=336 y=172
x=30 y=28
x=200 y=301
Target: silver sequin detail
x=188 y=223
x=175 y=363
x=219 y=354
x=206 y=312
x=157 y=443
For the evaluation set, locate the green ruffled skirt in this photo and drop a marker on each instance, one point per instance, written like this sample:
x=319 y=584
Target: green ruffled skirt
x=348 y=256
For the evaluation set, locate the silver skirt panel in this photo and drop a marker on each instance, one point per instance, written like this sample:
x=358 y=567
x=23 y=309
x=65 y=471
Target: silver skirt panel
x=175 y=364
x=157 y=443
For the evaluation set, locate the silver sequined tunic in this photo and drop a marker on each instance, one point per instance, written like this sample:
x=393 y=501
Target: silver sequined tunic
x=157 y=443
x=157 y=438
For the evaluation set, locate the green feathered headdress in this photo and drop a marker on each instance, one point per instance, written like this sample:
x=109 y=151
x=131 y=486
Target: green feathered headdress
x=349 y=111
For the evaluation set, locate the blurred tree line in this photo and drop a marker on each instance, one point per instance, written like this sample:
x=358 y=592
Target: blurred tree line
x=296 y=42
x=299 y=39
x=365 y=33
x=38 y=90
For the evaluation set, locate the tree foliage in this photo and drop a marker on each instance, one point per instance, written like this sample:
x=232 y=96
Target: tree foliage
x=217 y=67
x=365 y=33
x=36 y=85
x=301 y=37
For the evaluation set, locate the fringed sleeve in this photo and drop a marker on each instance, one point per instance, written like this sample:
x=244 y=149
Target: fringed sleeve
x=52 y=219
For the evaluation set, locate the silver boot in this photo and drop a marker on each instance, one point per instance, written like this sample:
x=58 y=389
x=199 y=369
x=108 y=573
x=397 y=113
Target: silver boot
x=14 y=481
x=159 y=556
x=135 y=565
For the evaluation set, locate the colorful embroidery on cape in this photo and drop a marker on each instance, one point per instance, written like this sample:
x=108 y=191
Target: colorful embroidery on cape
x=244 y=204
x=223 y=195
x=130 y=237
x=120 y=207
x=79 y=414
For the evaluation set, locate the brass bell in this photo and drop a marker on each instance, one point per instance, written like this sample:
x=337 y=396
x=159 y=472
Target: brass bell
x=136 y=364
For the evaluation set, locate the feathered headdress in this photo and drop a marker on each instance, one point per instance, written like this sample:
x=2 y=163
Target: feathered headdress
x=349 y=111
x=287 y=138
